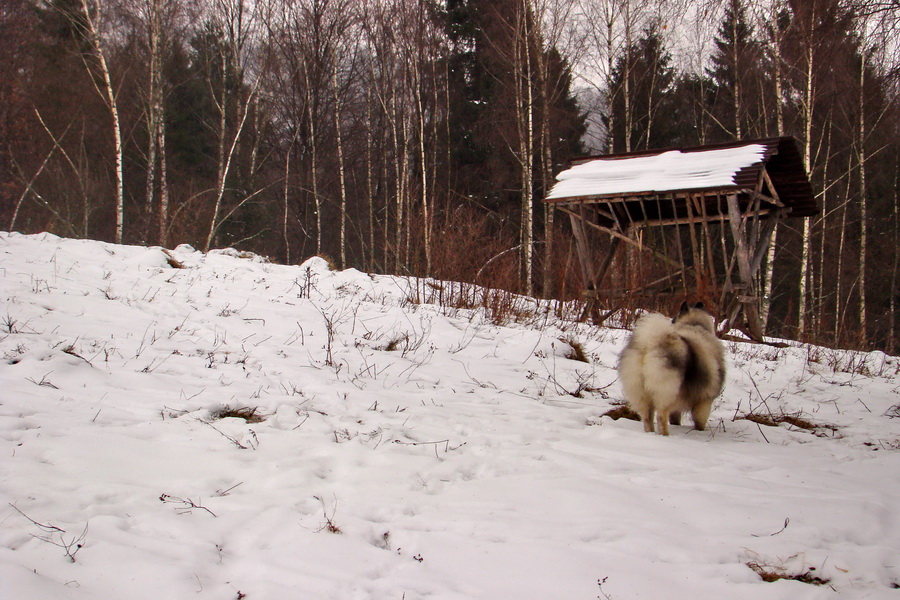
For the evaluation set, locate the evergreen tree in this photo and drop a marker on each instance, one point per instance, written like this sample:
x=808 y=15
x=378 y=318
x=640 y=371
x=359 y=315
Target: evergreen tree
x=690 y=121
x=567 y=121
x=647 y=120
x=482 y=35
x=737 y=78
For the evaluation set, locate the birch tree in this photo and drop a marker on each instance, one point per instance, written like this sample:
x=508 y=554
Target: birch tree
x=774 y=19
x=523 y=61
x=863 y=209
x=158 y=19
x=89 y=16
x=237 y=23
x=807 y=29
x=341 y=175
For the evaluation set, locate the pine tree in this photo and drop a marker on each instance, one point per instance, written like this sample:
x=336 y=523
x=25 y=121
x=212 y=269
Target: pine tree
x=736 y=76
x=648 y=65
x=482 y=35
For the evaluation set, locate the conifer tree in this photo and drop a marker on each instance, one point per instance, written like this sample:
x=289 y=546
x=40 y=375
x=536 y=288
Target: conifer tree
x=735 y=73
x=648 y=64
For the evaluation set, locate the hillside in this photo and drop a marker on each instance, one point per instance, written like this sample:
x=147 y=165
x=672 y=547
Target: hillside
x=181 y=425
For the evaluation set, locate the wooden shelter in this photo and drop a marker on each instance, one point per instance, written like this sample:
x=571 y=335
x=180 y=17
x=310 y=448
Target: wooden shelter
x=635 y=198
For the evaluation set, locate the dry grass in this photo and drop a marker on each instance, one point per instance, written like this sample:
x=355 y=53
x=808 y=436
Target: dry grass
x=770 y=573
x=796 y=419
x=576 y=350
x=621 y=411
x=332 y=266
x=173 y=262
x=246 y=413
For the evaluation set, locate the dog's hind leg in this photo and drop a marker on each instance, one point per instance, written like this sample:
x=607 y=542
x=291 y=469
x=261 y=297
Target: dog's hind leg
x=662 y=422
x=700 y=414
x=667 y=411
x=646 y=413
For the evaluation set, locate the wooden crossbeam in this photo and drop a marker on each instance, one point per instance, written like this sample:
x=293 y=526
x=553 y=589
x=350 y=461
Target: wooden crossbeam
x=752 y=225
x=624 y=238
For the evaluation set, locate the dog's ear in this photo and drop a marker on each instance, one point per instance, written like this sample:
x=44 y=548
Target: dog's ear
x=681 y=311
x=700 y=306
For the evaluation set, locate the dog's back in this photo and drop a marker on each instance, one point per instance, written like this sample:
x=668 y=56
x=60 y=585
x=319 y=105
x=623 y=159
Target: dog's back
x=670 y=367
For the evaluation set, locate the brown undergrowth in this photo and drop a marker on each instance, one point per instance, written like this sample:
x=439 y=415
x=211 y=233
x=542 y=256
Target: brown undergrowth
x=621 y=411
x=246 y=413
x=771 y=573
x=771 y=419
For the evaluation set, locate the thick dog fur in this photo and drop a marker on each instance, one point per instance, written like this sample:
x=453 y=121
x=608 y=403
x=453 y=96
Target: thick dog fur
x=671 y=366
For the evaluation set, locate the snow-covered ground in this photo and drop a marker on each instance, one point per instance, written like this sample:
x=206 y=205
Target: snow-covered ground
x=406 y=450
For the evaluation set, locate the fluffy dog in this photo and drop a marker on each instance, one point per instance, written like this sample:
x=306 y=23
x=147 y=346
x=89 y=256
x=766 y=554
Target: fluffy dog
x=671 y=366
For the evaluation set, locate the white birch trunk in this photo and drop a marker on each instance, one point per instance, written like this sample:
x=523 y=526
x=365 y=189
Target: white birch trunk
x=163 y=184
x=779 y=124
x=525 y=109
x=807 y=159
x=317 y=203
x=863 y=216
x=610 y=93
x=738 y=133
x=221 y=169
x=398 y=183
x=343 y=185
x=839 y=311
x=626 y=79
x=892 y=325
x=421 y=56
x=546 y=175
x=225 y=158
x=823 y=228
x=285 y=192
x=110 y=96
x=370 y=195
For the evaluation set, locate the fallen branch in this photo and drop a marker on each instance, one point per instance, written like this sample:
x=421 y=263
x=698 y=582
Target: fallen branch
x=71 y=547
x=787 y=520
x=186 y=505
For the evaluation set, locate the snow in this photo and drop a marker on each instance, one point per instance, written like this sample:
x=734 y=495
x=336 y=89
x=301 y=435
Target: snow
x=408 y=450
x=668 y=171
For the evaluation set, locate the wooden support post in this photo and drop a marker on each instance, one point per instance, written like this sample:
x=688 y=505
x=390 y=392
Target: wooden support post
x=582 y=247
x=748 y=299
x=607 y=262
x=586 y=260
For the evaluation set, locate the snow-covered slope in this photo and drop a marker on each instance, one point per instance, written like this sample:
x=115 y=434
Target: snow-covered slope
x=406 y=450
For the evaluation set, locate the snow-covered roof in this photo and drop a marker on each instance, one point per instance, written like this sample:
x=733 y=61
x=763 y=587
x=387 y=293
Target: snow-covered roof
x=672 y=170
x=772 y=166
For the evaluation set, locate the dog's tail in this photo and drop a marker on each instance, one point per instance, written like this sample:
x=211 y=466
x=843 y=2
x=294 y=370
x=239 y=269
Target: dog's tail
x=651 y=330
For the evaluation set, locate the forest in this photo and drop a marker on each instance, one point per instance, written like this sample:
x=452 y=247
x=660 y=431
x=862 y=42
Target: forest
x=419 y=137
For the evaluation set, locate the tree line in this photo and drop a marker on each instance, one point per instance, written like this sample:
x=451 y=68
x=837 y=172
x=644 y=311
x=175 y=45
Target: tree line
x=419 y=136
